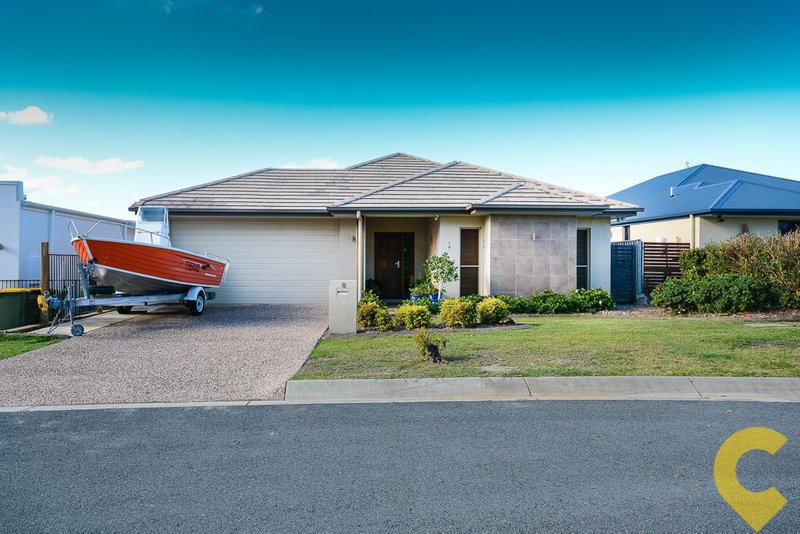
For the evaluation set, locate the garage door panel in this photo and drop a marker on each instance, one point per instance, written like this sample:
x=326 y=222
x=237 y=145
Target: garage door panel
x=273 y=261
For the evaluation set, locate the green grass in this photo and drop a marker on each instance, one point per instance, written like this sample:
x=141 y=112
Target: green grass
x=573 y=346
x=13 y=345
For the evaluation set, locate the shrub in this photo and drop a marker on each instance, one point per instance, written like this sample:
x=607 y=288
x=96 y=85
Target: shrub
x=492 y=311
x=550 y=302
x=457 y=313
x=371 y=296
x=716 y=293
x=475 y=299
x=422 y=286
x=428 y=303
x=413 y=316
x=430 y=346
x=591 y=300
x=515 y=304
x=367 y=314
x=384 y=321
x=773 y=261
x=675 y=295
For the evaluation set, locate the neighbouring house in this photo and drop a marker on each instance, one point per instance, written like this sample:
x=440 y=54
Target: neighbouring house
x=707 y=203
x=24 y=225
x=288 y=232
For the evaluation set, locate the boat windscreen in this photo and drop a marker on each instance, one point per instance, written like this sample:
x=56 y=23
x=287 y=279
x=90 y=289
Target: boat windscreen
x=152 y=214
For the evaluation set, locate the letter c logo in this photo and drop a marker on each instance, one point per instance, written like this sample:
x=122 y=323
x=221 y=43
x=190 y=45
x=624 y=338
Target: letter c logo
x=756 y=508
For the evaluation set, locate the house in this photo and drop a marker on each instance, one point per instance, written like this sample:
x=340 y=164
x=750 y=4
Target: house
x=24 y=225
x=288 y=232
x=707 y=203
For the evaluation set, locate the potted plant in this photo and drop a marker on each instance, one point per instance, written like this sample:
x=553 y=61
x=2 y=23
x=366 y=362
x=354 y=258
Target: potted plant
x=422 y=288
x=440 y=270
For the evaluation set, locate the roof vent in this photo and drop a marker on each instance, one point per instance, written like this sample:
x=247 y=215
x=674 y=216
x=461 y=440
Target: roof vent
x=671 y=192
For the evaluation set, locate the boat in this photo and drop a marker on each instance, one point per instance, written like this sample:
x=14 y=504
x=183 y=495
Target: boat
x=149 y=264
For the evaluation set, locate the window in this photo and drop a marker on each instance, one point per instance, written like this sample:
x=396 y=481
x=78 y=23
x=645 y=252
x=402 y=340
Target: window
x=582 y=260
x=152 y=214
x=470 y=258
x=626 y=232
x=784 y=227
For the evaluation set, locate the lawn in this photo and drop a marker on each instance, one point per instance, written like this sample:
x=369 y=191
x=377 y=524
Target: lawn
x=573 y=346
x=12 y=345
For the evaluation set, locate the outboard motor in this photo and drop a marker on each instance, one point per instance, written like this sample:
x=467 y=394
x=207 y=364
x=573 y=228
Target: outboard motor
x=152 y=226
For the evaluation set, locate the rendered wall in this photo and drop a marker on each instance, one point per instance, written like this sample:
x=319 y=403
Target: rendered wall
x=708 y=229
x=446 y=237
x=711 y=230
x=599 y=250
x=10 y=200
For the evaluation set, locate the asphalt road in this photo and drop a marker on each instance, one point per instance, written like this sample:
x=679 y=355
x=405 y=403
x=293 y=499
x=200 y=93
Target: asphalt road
x=478 y=466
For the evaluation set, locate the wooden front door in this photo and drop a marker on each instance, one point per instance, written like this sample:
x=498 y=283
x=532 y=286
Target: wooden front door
x=394 y=263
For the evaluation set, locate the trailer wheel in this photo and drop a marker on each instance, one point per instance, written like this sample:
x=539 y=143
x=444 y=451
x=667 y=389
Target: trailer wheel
x=196 y=307
x=124 y=310
x=77 y=330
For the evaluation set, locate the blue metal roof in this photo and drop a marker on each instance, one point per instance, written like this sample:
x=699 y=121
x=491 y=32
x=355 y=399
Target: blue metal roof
x=711 y=190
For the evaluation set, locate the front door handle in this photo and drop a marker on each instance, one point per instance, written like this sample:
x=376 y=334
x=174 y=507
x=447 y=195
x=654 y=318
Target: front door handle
x=397 y=264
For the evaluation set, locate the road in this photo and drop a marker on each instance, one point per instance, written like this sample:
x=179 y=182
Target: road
x=474 y=466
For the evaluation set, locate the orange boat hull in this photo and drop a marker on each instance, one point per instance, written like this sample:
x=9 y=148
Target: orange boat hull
x=139 y=267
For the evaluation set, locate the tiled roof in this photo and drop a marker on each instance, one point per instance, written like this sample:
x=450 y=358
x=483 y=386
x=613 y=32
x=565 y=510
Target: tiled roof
x=462 y=186
x=711 y=190
x=290 y=190
x=398 y=182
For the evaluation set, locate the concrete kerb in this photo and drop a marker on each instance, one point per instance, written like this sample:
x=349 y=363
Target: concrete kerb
x=631 y=388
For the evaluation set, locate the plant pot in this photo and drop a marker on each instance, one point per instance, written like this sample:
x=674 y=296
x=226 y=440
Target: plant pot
x=433 y=297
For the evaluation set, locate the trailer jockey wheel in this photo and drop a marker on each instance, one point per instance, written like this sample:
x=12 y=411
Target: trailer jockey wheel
x=124 y=310
x=196 y=307
x=77 y=330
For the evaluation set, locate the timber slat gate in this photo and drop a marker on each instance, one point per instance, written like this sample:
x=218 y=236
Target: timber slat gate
x=661 y=261
x=624 y=263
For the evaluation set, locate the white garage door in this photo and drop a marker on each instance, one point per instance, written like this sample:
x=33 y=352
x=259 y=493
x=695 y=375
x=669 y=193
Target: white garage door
x=273 y=261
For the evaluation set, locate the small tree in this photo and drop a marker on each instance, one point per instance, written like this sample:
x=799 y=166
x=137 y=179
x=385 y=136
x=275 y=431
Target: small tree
x=441 y=270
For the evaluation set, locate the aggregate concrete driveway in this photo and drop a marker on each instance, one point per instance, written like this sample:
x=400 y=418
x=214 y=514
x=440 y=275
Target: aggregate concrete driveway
x=228 y=353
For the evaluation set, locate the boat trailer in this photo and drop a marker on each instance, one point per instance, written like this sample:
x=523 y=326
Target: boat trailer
x=194 y=298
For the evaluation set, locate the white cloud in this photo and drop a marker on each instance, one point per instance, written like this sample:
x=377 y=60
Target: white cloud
x=81 y=165
x=316 y=163
x=49 y=186
x=38 y=186
x=28 y=116
x=12 y=173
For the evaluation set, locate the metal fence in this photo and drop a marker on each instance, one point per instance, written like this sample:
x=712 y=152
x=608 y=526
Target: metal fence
x=65 y=274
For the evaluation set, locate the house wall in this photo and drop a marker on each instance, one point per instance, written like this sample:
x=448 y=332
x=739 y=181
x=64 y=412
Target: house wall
x=707 y=229
x=671 y=231
x=532 y=253
x=39 y=225
x=446 y=237
x=24 y=226
x=710 y=230
x=599 y=250
x=10 y=205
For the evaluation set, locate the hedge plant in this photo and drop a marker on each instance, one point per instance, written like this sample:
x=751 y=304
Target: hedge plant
x=458 y=313
x=413 y=316
x=492 y=311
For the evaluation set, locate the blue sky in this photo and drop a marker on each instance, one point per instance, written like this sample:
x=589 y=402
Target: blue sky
x=126 y=99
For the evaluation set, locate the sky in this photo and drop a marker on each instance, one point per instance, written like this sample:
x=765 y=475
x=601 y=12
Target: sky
x=104 y=102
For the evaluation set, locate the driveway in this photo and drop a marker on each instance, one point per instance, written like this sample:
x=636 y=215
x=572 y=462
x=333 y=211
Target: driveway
x=228 y=353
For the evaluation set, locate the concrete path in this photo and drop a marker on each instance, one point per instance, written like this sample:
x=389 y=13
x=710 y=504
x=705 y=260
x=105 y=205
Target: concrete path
x=228 y=353
x=90 y=324
x=588 y=387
